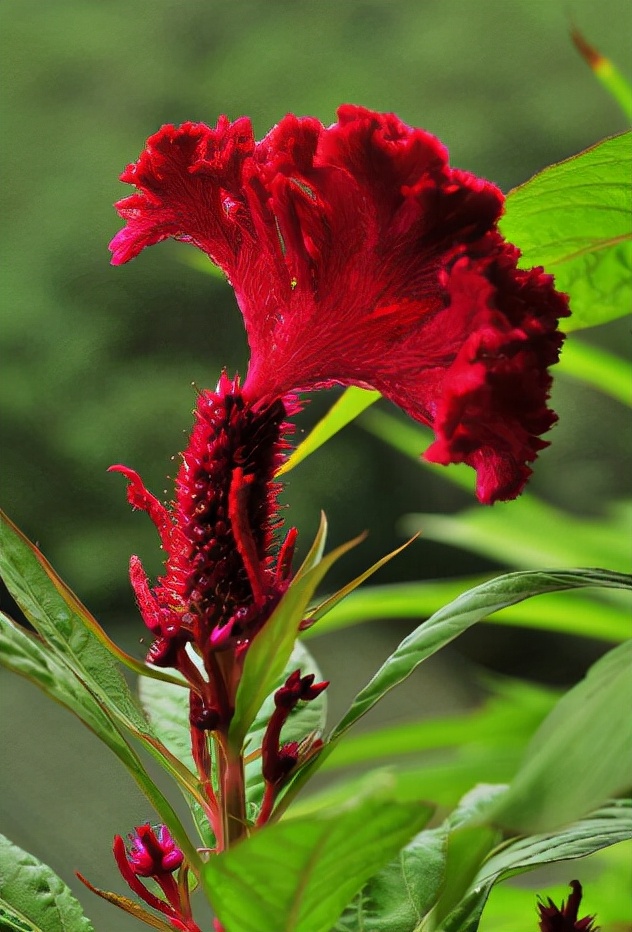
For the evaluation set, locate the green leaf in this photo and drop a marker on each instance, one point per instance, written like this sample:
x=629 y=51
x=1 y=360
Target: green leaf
x=607 y=826
x=315 y=552
x=580 y=755
x=331 y=601
x=507 y=719
x=351 y=403
x=443 y=627
x=570 y=612
x=529 y=531
x=610 y=77
x=53 y=611
x=402 y=893
x=299 y=875
x=456 y=617
x=25 y=655
x=270 y=651
x=573 y=218
x=33 y=898
x=428 y=877
x=598 y=368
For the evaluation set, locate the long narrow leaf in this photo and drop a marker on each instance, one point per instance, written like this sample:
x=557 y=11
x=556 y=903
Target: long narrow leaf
x=272 y=647
x=351 y=403
x=453 y=619
x=572 y=613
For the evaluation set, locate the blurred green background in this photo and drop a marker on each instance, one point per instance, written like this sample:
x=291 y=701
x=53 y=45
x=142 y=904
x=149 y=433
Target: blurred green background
x=98 y=362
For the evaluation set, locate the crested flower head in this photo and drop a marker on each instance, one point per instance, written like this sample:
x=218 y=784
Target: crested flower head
x=360 y=257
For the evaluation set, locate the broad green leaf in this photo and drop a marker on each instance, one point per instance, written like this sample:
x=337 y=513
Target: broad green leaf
x=428 y=877
x=507 y=719
x=33 y=898
x=530 y=531
x=299 y=875
x=598 y=368
x=25 y=655
x=607 y=826
x=351 y=403
x=443 y=627
x=270 y=651
x=51 y=609
x=580 y=755
x=573 y=218
x=570 y=612
x=402 y=893
x=456 y=617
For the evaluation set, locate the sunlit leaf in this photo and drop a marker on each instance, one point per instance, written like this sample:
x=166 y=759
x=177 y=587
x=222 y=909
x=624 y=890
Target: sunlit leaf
x=581 y=754
x=574 y=219
x=351 y=403
x=571 y=612
x=33 y=898
x=48 y=607
x=598 y=368
x=299 y=875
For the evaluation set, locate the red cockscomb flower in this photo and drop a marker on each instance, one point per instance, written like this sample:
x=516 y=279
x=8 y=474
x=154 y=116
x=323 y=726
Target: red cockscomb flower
x=359 y=257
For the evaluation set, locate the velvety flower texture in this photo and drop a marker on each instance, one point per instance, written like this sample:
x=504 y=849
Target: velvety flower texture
x=359 y=257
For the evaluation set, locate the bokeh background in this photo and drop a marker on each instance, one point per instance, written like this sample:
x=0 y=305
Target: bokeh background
x=98 y=363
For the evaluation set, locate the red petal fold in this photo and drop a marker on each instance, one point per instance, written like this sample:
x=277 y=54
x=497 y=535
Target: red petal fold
x=360 y=257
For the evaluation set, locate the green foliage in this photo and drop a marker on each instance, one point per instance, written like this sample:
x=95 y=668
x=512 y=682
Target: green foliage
x=421 y=892
x=271 y=649
x=582 y=753
x=90 y=676
x=350 y=404
x=256 y=887
x=457 y=616
x=573 y=219
x=33 y=898
x=167 y=707
x=508 y=718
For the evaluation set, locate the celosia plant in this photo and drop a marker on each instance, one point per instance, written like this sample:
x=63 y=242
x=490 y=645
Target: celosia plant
x=359 y=257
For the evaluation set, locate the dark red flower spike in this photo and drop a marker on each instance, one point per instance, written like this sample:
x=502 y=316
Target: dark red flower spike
x=221 y=581
x=565 y=918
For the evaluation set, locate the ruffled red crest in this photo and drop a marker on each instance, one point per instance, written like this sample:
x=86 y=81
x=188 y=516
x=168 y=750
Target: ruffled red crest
x=359 y=257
